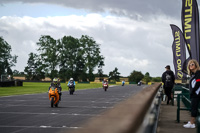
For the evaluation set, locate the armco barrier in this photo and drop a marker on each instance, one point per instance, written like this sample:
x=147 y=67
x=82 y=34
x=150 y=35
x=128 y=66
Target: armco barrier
x=128 y=116
x=11 y=83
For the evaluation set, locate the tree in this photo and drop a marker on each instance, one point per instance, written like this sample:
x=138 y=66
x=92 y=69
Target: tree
x=147 y=78
x=50 y=52
x=114 y=75
x=70 y=57
x=35 y=69
x=71 y=61
x=100 y=70
x=81 y=70
x=91 y=54
x=136 y=76
x=6 y=59
x=17 y=73
x=156 y=79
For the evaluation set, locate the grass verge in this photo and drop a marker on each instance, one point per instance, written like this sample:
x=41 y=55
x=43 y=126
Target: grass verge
x=39 y=87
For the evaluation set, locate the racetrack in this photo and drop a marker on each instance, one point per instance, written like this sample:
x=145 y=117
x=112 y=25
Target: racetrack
x=33 y=114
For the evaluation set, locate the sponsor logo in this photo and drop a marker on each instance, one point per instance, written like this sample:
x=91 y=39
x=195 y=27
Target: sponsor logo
x=188 y=20
x=180 y=75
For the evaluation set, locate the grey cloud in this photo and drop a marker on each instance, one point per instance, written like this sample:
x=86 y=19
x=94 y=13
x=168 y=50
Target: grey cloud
x=2 y=31
x=129 y=8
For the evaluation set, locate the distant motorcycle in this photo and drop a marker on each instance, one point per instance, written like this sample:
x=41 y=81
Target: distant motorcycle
x=139 y=83
x=123 y=83
x=105 y=86
x=54 y=96
x=71 y=88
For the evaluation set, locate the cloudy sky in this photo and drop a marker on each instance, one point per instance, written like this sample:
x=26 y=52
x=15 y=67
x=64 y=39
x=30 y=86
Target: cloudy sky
x=134 y=34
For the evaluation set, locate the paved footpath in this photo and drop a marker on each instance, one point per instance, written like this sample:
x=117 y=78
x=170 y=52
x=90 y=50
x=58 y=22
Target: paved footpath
x=167 y=120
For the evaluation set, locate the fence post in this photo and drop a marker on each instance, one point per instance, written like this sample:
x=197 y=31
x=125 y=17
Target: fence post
x=198 y=124
x=178 y=108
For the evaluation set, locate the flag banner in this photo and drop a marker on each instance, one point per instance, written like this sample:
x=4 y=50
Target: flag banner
x=184 y=69
x=190 y=26
x=179 y=52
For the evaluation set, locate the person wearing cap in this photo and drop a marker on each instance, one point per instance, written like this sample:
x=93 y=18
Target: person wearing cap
x=168 y=80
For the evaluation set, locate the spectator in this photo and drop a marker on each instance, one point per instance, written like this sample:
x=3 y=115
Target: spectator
x=168 y=79
x=194 y=86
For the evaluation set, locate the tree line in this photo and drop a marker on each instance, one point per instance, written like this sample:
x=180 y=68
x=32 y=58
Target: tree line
x=64 y=58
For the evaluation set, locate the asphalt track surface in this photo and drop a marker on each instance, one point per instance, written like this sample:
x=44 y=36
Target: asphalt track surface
x=33 y=114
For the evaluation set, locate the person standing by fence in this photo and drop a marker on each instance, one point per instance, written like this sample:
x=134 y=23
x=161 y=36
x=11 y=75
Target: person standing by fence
x=194 y=86
x=168 y=79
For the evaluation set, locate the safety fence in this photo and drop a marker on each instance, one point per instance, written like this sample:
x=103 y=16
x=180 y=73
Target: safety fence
x=139 y=113
x=181 y=93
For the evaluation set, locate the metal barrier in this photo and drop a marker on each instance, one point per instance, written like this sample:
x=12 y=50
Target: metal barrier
x=181 y=93
x=187 y=102
x=185 y=97
x=151 y=119
x=139 y=113
x=176 y=90
x=198 y=124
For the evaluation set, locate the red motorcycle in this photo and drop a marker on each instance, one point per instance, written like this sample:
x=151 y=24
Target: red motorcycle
x=105 y=86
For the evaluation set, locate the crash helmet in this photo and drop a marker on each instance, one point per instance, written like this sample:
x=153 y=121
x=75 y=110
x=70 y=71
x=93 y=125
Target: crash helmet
x=71 y=79
x=55 y=81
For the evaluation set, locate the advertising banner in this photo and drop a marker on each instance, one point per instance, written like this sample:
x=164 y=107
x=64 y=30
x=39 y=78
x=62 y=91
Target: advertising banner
x=190 y=27
x=179 y=52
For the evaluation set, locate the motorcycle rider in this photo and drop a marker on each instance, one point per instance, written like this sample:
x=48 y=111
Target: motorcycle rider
x=123 y=82
x=71 y=80
x=104 y=82
x=139 y=83
x=56 y=84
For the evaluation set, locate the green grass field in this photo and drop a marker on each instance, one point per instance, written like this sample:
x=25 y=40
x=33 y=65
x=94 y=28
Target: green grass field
x=38 y=87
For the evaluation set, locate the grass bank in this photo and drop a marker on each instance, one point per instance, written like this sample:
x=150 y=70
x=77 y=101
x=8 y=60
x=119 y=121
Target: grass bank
x=39 y=87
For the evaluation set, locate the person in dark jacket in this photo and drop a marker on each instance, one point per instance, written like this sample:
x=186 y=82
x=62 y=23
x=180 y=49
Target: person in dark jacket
x=168 y=79
x=194 y=86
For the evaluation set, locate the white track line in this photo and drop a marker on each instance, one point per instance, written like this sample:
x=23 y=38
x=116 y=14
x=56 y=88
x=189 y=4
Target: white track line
x=29 y=113
x=42 y=126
